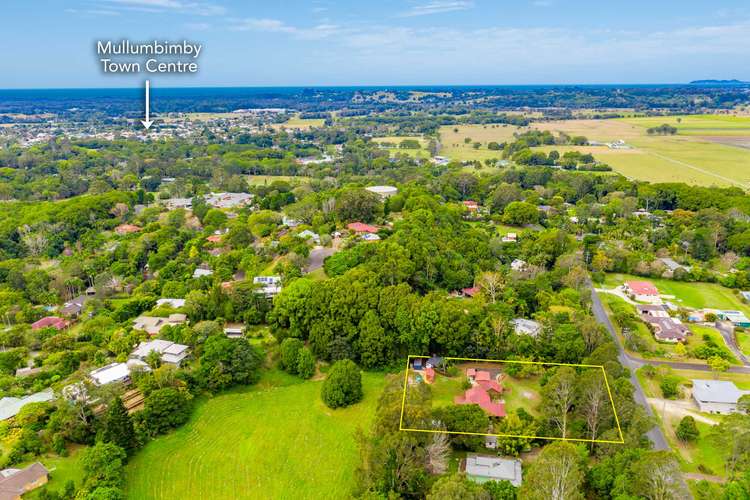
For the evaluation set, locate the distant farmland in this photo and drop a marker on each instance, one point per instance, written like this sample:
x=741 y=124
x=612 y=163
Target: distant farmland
x=707 y=149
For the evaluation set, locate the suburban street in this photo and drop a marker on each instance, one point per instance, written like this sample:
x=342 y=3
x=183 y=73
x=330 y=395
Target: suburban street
x=655 y=434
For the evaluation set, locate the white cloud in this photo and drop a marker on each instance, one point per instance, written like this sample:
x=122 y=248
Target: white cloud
x=317 y=32
x=93 y=12
x=178 y=6
x=437 y=7
x=197 y=26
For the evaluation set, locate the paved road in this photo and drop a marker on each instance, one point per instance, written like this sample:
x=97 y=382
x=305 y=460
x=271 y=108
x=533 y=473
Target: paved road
x=317 y=256
x=731 y=342
x=655 y=435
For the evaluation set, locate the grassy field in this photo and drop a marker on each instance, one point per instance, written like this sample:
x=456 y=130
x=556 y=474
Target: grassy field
x=414 y=153
x=275 y=440
x=651 y=385
x=743 y=339
x=707 y=150
x=695 y=295
x=298 y=123
x=701 y=455
x=262 y=180
x=452 y=139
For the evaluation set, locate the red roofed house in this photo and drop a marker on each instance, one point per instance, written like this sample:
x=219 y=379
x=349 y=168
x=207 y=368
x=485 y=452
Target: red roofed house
x=50 y=321
x=471 y=205
x=359 y=227
x=479 y=394
x=470 y=292
x=126 y=229
x=214 y=238
x=642 y=291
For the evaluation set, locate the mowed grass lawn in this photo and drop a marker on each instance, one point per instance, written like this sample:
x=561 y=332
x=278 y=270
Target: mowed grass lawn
x=275 y=440
x=264 y=180
x=696 y=295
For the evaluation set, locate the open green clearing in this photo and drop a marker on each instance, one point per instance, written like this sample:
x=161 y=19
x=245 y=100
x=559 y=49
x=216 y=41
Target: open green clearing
x=298 y=123
x=703 y=455
x=696 y=295
x=453 y=145
x=275 y=440
x=396 y=140
x=707 y=150
x=697 y=124
x=263 y=180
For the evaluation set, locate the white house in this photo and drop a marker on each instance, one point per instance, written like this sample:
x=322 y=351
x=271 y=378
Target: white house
x=116 y=372
x=717 y=396
x=523 y=326
x=233 y=330
x=169 y=352
x=383 y=191
x=309 y=235
x=270 y=285
x=174 y=303
x=482 y=468
x=519 y=265
x=200 y=272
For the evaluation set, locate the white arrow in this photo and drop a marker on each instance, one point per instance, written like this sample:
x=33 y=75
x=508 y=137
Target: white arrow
x=147 y=123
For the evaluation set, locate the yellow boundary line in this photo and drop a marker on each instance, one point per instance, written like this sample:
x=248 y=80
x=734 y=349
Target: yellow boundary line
x=583 y=440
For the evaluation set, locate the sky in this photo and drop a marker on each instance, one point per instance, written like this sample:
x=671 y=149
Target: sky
x=50 y=43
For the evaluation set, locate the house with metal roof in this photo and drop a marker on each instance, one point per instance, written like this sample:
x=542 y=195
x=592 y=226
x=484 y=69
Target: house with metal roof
x=717 y=396
x=483 y=468
x=9 y=406
x=523 y=326
x=169 y=352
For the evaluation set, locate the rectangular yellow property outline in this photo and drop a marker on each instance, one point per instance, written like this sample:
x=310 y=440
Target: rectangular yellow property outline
x=606 y=382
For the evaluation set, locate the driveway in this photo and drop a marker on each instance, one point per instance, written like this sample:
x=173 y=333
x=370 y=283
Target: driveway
x=317 y=256
x=680 y=408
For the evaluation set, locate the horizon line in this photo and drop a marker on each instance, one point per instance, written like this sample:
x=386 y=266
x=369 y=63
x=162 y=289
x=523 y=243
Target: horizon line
x=404 y=86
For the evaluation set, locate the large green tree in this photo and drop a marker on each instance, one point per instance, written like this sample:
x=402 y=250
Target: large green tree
x=343 y=385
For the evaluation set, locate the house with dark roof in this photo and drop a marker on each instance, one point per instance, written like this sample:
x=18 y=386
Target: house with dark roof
x=15 y=482
x=664 y=327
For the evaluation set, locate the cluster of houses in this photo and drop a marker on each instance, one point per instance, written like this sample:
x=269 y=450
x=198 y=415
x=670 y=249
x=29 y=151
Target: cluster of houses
x=666 y=327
